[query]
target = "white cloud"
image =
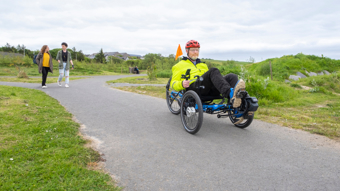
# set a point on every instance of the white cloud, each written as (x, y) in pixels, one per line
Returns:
(225, 29)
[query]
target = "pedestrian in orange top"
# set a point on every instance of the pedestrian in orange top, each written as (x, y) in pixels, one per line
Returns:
(44, 61)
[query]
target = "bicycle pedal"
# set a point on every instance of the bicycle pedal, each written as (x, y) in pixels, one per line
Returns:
(241, 93)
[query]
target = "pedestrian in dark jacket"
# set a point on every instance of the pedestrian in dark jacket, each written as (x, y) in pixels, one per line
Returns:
(65, 60)
(44, 60)
(137, 70)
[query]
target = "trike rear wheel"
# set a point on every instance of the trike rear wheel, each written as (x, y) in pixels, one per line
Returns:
(172, 100)
(235, 118)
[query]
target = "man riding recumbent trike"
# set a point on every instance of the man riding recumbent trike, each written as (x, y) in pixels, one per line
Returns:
(193, 87)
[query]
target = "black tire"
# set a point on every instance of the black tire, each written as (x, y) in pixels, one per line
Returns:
(173, 104)
(193, 123)
(246, 122)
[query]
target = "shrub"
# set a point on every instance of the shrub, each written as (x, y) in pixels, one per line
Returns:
(22, 74)
(318, 89)
(273, 92)
(211, 64)
(320, 82)
(304, 73)
(313, 83)
(264, 69)
(295, 85)
(152, 72)
(28, 62)
(164, 74)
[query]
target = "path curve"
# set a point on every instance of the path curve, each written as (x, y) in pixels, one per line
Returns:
(146, 147)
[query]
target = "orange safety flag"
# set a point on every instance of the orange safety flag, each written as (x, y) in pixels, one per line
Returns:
(179, 52)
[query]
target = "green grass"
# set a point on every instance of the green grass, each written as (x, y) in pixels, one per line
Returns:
(328, 82)
(34, 80)
(80, 69)
(140, 80)
(295, 85)
(290, 64)
(40, 146)
(154, 91)
(221, 62)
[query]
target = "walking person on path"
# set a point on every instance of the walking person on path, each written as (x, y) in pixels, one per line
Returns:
(64, 59)
(44, 61)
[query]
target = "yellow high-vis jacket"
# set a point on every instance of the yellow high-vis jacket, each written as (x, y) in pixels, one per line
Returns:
(181, 68)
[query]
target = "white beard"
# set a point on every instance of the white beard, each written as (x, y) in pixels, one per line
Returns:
(194, 57)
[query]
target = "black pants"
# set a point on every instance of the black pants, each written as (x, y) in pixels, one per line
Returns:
(45, 71)
(215, 84)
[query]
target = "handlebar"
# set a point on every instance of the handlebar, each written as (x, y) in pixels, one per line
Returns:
(187, 75)
(198, 79)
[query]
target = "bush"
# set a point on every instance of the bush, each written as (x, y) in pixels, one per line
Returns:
(230, 66)
(264, 69)
(271, 91)
(304, 73)
(22, 74)
(152, 72)
(164, 74)
(295, 85)
(320, 82)
(211, 65)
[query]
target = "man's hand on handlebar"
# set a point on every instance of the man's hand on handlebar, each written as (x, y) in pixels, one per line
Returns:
(186, 83)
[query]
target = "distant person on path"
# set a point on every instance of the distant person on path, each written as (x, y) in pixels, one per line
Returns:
(44, 61)
(215, 84)
(137, 70)
(64, 59)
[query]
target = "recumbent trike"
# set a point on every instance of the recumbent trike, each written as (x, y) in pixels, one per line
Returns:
(192, 105)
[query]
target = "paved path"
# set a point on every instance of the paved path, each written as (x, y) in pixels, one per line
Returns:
(146, 147)
(127, 84)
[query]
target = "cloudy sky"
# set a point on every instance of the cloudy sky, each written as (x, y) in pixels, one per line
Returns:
(226, 29)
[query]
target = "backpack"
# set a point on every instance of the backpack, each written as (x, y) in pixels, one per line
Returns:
(34, 59)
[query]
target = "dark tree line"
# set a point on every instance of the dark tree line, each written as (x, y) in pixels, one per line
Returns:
(21, 49)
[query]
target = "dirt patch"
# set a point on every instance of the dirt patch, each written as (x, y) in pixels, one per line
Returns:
(306, 87)
(93, 143)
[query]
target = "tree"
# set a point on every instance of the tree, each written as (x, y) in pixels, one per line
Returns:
(150, 58)
(8, 48)
(251, 59)
(19, 49)
(115, 60)
(80, 55)
(100, 57)
(75, 51)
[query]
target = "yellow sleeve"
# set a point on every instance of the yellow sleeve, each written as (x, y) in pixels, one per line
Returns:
(176, 80)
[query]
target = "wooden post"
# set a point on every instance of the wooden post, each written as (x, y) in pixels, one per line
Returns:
(271, 72)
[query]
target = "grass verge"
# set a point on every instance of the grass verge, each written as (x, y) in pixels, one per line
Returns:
(155, 91)
(140, 80)
(34, 80)
(40, 146)
(33, 71)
